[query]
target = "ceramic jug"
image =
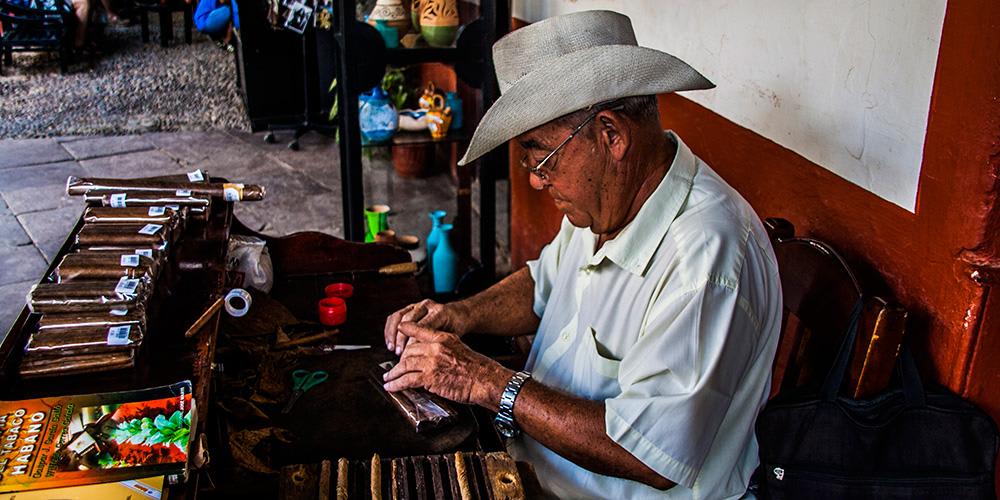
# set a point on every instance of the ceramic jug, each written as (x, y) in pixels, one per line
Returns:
(438, 122)
(428, 100)
(393, 13)
(454, 102)
(437, 218)
(377, 117)
(439, 22)
(445, 267)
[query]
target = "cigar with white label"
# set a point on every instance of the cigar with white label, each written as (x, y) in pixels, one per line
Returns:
(168, 217)
(76, 186)
(84, 340)
(104, 266)
(87, 296)
(113, 317)
(150, 235)
(40, 365)
(146, 200)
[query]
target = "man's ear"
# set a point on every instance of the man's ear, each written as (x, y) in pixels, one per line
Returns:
(614, 133)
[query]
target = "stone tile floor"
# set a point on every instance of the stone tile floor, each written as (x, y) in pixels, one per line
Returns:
(303, 191)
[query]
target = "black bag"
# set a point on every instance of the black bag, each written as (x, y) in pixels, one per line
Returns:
(904, 443)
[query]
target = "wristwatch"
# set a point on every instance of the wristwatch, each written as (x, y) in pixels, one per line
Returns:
(504, 420)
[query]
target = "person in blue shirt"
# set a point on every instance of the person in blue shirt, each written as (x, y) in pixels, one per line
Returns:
(215, 17)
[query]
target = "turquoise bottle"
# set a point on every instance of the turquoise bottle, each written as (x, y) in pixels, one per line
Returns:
(437, 218)
(445, 267)
(454, 102)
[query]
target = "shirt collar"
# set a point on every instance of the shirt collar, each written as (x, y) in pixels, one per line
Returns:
(635, 245)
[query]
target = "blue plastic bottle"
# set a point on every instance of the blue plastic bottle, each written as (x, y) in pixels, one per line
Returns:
(445, 262)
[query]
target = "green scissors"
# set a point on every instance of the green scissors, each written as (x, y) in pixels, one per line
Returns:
(302, 381)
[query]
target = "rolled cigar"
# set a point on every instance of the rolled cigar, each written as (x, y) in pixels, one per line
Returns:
(158, 256)
(135, 215)
(105, 320)
(376, 477)
(76, 186)
(85, 296)
(147, 200)
(85, 340)
(35, 365)
(153, 236)
(104, 266)
(463, 477)
(342, 486)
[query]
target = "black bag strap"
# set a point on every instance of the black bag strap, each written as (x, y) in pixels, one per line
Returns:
(906, 367)
(831, 385)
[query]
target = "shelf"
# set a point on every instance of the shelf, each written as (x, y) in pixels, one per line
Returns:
(408, 138)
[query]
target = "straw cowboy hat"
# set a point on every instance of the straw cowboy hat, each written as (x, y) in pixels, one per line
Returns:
(566, 63)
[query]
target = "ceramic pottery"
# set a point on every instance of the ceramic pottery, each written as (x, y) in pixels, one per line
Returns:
(415, 14)
(377, 217)
(437, 218)
(439, 22)
(393, 13)
(438, 122)
(389, 34)
(377, 117)
(445, 263)
(454, 102)
(430, 99)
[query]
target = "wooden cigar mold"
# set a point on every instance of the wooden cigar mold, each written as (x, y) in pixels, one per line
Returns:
(458, 476)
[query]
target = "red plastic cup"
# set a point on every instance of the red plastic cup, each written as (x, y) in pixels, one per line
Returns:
(339, 290)
(332, 311)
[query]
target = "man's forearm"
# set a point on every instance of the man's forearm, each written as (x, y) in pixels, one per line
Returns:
(570, 426)
(506, 308)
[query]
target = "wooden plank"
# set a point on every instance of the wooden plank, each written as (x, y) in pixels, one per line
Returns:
(503, 477)
(299, 481)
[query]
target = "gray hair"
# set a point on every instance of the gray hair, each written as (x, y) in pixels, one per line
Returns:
(641, 109)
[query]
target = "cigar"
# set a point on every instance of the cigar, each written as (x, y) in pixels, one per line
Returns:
(135, 215)
(135, 317)
(376, 477)
(34, 365)
(342, 486)
(151, 235)
(76, 186)
(104, 266)
(84, 296)
(147, 200)
(84, 340)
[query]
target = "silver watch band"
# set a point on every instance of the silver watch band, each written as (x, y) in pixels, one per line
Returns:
(504, 420)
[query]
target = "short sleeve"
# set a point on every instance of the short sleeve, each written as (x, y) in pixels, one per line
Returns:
(545, 268)
(678, 380)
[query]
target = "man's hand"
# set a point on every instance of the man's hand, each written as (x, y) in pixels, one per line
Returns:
(441, 363)
(426, 313)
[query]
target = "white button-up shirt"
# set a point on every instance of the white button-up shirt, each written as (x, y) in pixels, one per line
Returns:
(673, 324)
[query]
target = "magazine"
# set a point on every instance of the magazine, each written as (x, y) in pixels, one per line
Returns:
(96, 438)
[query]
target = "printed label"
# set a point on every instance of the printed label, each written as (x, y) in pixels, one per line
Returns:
(232, 192)
(154, 211)
(118, 335)
(118, 200)
(127, 286)
(130, 260)
(150, 229)
(196, 176)
(145, 252)
(183, 192)
(119, 312)
(174, 207)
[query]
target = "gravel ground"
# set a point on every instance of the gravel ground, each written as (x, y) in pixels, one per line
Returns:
(133, 87)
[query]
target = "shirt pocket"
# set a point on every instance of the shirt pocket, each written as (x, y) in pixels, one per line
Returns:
(603, 365)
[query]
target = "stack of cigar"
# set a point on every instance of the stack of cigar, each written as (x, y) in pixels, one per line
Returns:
(458, 476)
(94, 304)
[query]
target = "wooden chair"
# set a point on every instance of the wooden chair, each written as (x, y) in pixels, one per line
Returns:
(820, 291)
(165, 10)
(24, 29)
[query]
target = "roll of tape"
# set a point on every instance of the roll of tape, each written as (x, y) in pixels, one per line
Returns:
(238, 302)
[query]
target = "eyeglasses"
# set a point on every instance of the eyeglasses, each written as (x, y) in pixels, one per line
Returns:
(540, 169)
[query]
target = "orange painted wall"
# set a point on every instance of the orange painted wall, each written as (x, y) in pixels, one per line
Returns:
(924, 259)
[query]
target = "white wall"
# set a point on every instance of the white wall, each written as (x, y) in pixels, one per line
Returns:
(844, 83)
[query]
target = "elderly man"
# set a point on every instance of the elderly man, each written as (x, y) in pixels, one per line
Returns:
(656, 307)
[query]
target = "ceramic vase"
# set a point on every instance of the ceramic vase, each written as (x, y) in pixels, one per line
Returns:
(415, 14)
(389, 34)
(377, 117)
(454, 102)
(439, 22)
(437, 218)
(393, 13)
(377, 217)
(445, 262)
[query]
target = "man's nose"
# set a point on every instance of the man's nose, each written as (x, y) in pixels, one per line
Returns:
(536, 182)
